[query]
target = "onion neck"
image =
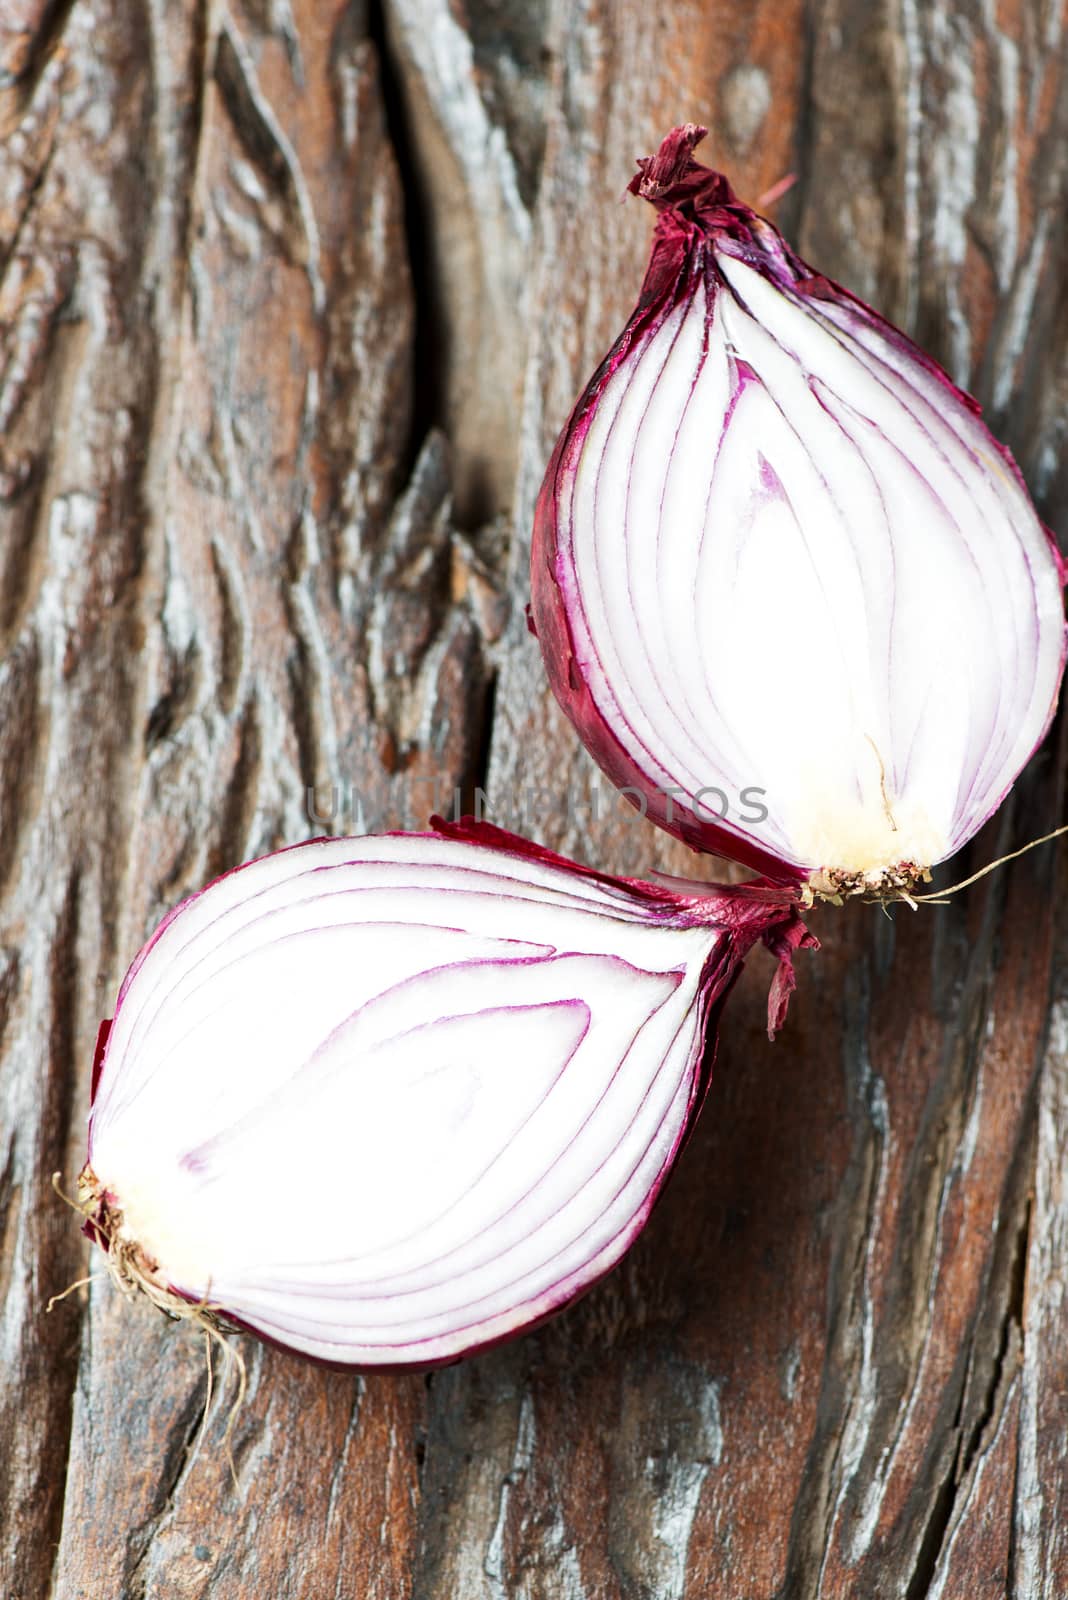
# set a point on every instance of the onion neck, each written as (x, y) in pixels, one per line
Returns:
(673, 180)
(697, 204)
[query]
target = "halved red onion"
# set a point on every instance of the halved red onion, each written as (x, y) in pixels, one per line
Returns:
(386, 1100)
(780, 562)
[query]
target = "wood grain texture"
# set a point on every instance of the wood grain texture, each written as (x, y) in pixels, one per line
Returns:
(294, 297)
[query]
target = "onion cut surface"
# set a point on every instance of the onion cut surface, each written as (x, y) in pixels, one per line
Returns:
(386, 1100)
(777, 553)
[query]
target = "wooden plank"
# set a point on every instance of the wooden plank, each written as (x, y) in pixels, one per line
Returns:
(294, 298)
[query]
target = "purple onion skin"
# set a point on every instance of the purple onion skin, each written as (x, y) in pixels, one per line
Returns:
(750, 914)
(695, 205)
(764, 910)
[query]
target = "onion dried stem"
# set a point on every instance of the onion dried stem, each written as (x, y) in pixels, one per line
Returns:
(941, 898)
(135, 1276)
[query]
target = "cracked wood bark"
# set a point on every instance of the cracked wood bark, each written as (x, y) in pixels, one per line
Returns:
(295, 296)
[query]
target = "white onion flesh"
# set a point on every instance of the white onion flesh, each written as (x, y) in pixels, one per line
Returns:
(789, 556)
(384, 1100)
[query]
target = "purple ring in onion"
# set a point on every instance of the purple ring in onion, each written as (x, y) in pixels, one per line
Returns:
(385, 1101)
(778, 550)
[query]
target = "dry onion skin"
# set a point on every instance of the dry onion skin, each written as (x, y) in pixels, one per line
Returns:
(777, 551)
(385, 1101)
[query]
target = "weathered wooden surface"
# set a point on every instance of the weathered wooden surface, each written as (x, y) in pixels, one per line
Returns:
(295, 295)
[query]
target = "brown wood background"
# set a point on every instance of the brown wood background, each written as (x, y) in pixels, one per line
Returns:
(295, 295)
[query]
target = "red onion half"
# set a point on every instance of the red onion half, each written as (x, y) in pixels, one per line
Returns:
(386, 1100)
(781, 564)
